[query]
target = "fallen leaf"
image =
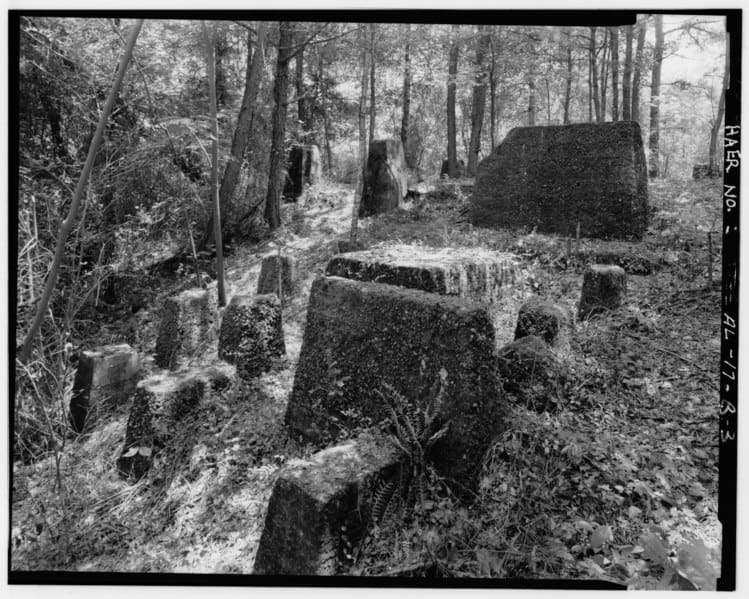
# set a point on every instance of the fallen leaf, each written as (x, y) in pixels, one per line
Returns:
(601, 535)
(653, 549)
(634, 512)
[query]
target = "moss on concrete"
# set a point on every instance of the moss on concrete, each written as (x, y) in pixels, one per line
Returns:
(319, 505)
(554, 177)
(251, 334)
(185, 325)
(361, 337)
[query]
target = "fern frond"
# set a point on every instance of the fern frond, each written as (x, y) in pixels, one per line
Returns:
(403, 448)
(382, 497)
(400, 432)
(435, 406)
(436, 437)
(416, 418)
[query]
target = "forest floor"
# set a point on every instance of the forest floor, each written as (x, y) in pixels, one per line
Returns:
(619, 483)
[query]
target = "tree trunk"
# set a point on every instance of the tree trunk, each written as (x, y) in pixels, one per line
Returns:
(655, 100)
(568, 83)
(372, 103)
(531, 102)
(303, 103)
(493, 93)
(642, 30)
(590, 91)
(277, 153)
(222, 51)
(244, 124)
(452, 154)
(479, 103)
(614, 39)
(713, 153)
(627, 78)
(324, 110)
(604, 74)
(67, 224)
(407, 98)
(362, 163)
(210, 45)
(594, 75)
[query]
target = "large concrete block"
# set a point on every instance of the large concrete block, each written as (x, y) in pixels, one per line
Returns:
(386, 180)
(278, 274)
(104, 375)
(251, 334)
(159, 403)
(319, 508)
(461, 168)
(468, 273)
(361, 337)
(531, 373)
(186, 321)
(604, 288)
(304, 168)
(542, 318)
(554, 177)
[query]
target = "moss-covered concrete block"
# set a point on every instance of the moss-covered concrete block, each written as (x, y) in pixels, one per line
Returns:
(159, 403)
(251, 334)
(604, 288)
(554, 177)
(531, 373)
(304, 168)
(104, 375)
(319, 508)
(541, 318)
(474, 274)
(362, 337)
(386, 177)
(186, 321)
(344, 246)
(278, 275)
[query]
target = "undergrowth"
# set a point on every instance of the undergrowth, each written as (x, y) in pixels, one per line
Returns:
(620, 484)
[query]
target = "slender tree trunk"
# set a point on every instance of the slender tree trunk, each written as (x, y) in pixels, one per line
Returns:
(531, 102)
(568, 82)
(614, 38)
(222, 51)
(277, 155)
(324, 109)
(713, 153)
(478, 103)
(655, 100)
(452, 154)
(244, 124)
(407, 98)
(493, 93)
(604, 74)
(590, 91)
(627, 77)
(67, 224)
(637, 74)
(363, 147)
(304, 107)
(372, 90)
(210, 45)
(594, 75)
